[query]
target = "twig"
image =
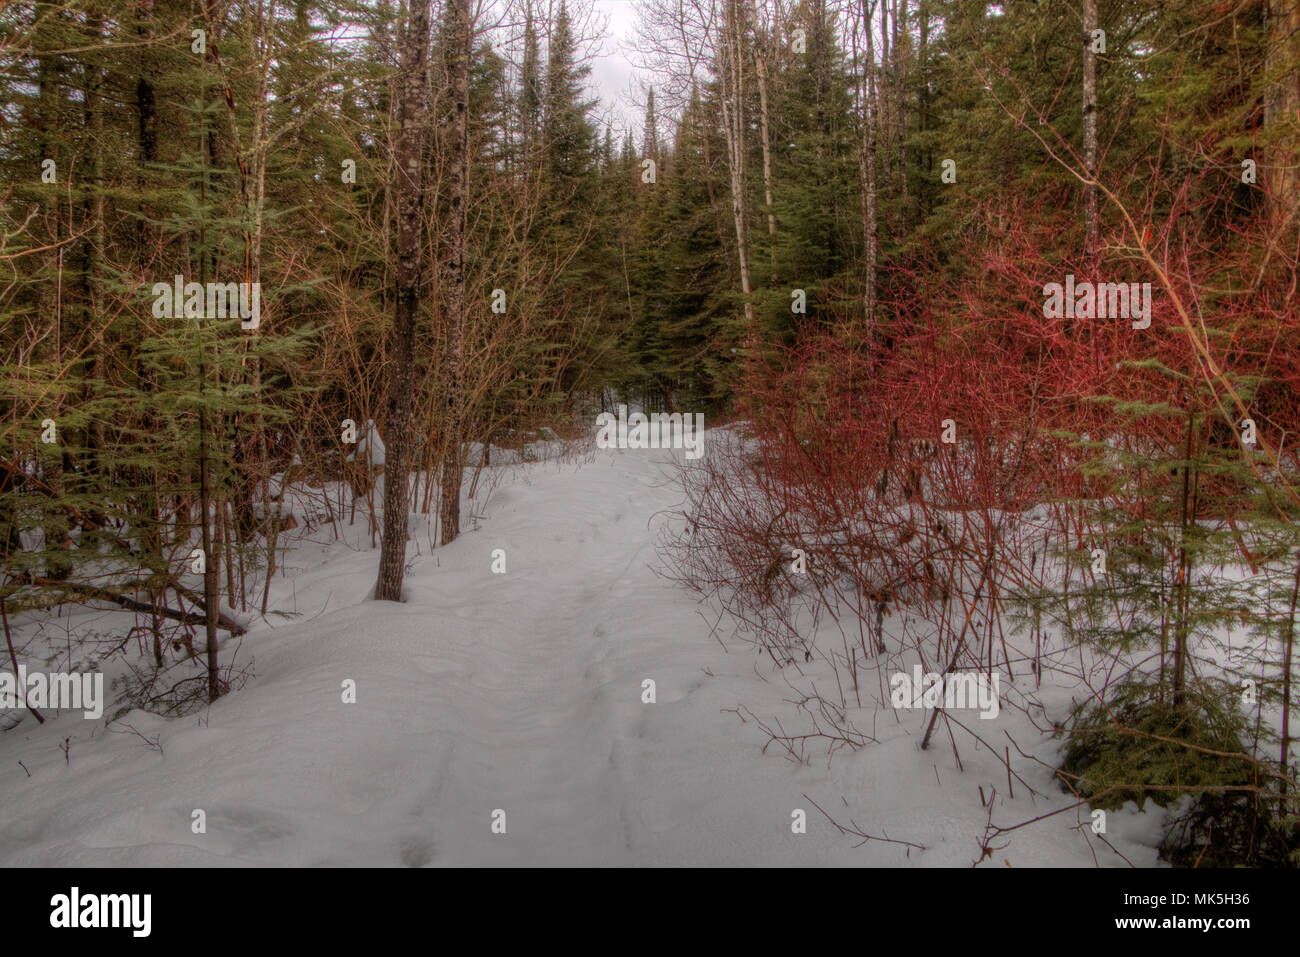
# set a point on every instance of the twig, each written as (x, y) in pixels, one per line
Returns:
(858, 832)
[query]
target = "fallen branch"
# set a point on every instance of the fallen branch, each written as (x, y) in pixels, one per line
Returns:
(856, 831)
(132, 604)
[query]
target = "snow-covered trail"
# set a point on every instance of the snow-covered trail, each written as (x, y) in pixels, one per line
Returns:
(541, 673)
(545, 665)
(520, 692)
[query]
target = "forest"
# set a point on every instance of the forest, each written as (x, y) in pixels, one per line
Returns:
(990, 309)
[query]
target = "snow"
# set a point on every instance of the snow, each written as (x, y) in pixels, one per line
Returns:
(521, 692)
(368, 441)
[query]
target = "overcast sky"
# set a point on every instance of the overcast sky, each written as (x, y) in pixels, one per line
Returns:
(612, 75)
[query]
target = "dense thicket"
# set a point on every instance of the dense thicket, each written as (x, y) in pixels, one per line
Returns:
(258, 144)
(933, 429)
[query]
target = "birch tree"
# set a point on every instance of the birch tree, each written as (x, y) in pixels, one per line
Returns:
(1090, 122)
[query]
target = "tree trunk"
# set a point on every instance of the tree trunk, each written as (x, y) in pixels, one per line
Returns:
(1182, 592)
(820, 70)
(264, 21)
(886, 104)
(211, 592)
(211, 583)
(453, 464)
(144, 94)
(1282, 105)
(732, 76)
(760, 66)
(899, 29)
(1090, 124)
(1288, 646)
(410, 262)
(867, 168)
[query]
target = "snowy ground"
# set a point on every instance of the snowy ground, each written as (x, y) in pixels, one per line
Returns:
(520, 692)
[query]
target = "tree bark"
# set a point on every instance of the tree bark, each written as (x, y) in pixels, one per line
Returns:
(732, 76)
(1288, 646)
(867, 168)
(1090, 125)
(211, 592)
(1282, 105)
(760, 67)
(900, 113)
(885, 101)
(453, 466)
(410, 264)
(820, 71)
(211, 589)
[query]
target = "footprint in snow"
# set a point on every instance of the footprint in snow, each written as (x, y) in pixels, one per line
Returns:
(417, 852)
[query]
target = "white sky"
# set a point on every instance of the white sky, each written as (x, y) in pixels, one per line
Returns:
(612, 75)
